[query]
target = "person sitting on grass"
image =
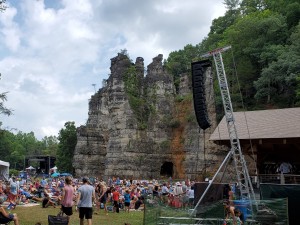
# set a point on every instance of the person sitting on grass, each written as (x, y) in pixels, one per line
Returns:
(139, 203)
(6, 217)
(47, 201)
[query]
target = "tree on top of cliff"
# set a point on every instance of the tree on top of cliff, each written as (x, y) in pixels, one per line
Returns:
(263, 56)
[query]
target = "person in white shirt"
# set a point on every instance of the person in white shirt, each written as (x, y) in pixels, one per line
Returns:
(164, 192)
(191, 195)
(178, 189)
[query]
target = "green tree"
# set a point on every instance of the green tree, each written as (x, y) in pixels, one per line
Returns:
(50, 145)
(67, 142)
(279, 80)
(3, 109)
(15, 147)
(179, 62)
(3, 98)
(250, 6)
(30, 143)
(254, 38)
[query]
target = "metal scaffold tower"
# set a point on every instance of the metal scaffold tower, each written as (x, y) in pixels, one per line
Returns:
(243, 178)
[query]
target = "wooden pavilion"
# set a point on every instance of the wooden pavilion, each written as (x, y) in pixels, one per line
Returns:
(267, 138)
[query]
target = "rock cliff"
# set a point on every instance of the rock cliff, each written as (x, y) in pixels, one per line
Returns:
(139, 127)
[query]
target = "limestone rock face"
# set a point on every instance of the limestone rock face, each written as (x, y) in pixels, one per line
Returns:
(148, 135)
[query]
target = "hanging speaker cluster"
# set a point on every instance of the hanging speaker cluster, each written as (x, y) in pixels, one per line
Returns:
(198, 81)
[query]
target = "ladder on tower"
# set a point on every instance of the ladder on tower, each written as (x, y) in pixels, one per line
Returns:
(243, 178)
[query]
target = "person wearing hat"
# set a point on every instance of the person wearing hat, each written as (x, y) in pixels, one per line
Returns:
(165, 192)
(85, 199)
(6, 217)
(178, 195)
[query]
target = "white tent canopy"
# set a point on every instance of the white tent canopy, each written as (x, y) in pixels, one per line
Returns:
(4, 170)
(30, 168)
(53, 169)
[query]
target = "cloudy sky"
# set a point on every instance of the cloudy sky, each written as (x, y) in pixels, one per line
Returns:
(54, 54)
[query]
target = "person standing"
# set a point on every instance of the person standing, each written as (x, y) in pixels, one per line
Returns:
(127, 200)
(116, 196)
(86, 197)
(67, 198)
(191, 195)
(103, 197)
(165, 193)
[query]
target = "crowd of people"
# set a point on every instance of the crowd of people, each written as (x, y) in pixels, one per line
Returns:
(90, 195)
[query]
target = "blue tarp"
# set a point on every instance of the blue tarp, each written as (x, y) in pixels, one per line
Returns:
(55, 174)
(65, 174)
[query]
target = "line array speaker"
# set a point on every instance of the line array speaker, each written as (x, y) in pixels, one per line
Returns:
(198, 81)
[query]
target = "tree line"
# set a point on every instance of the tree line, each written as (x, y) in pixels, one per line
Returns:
(262, 66)
(14, 148)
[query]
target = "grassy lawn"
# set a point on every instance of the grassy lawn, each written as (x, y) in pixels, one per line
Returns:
(33, 214)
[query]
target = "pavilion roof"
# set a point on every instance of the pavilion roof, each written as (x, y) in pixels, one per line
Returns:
(262, 124)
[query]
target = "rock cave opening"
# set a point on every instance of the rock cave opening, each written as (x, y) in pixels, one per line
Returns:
(166, 169)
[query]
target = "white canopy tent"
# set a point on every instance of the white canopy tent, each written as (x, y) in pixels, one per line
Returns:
(53, 169)
(30, 168)
(4, 170)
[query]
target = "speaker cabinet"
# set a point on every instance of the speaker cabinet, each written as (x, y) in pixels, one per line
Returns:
(198, 81)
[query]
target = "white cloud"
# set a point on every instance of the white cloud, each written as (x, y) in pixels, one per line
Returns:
(10, 33)
(54, 50)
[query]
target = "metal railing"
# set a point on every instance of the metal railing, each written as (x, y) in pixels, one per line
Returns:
(279, 178)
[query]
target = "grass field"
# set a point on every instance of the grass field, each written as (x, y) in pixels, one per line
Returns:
(33, 214)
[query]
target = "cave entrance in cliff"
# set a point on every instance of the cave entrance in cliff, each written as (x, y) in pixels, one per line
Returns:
(166, 169)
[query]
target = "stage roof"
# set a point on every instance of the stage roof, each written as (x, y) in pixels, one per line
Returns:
(262, 124)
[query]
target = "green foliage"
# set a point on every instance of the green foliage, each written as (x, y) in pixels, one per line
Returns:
(250, 6)
(174, 123)
(165, 144)
(138, 97)
(179, 98)
(50, 145)
(142, 126)
(3, 109)
(182, 98)
(15, 147)
(298, 91)
(13, 172)
(67, 142)
(263, 63)
(3, 96)
(278, 81)
(191, 117)
(179, 62)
